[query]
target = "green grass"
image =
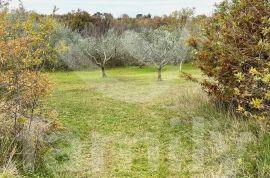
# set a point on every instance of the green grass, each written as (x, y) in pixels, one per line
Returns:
(130, 125)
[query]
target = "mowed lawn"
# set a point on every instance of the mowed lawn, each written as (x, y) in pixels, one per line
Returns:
(130, 125)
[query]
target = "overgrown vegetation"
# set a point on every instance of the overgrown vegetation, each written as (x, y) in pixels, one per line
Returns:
(126, 124)
(25, 45)
(236, 57)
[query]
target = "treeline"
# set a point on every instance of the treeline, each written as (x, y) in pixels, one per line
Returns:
(100, 23)
(76, 26)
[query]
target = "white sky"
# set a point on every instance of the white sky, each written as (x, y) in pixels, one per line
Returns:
(119, 7)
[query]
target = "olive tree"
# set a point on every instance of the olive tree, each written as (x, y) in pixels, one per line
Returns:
(157, 47)
(100, 49)
(71, 56)
(133, 45)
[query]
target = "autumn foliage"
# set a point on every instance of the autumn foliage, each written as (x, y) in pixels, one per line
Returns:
(236, 57)
(25, 45)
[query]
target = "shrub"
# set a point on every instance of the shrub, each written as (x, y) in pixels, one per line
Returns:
(25, 40)
(236, 57)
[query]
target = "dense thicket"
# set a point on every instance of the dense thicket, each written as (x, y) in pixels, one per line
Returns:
(236, 56)
(25, 44)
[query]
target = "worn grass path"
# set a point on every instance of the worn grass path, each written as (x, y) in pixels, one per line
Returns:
(130, 125)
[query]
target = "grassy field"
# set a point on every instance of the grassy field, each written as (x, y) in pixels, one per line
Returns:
(130, 125)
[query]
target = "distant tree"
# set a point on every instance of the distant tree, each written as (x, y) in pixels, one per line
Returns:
(4, 3)
(183, 14)
(103, 23)
(148, 16)
(157, 21)
(125, 16)
(139, 16)
(100, 49)
(180, 18)
(76, 20)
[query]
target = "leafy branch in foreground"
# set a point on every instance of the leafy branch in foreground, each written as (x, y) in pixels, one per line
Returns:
(236, 57)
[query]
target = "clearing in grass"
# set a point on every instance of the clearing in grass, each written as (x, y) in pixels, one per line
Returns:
(130, 125)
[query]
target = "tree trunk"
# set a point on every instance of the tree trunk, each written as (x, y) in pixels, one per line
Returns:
(103, 72)
(181, 66)
(159, 74)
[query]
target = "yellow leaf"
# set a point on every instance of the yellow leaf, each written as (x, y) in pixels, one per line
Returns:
(257, 103)
(240, 109)
(267, 95)
(254, 71)
(22, 120)
(239, 76)
(236, 91)
(266, 79)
